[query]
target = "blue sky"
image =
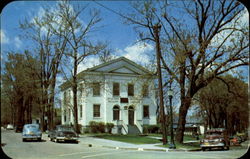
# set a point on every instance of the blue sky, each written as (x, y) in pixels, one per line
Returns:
(113, 30)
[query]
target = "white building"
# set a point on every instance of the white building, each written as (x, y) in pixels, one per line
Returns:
(119, 91)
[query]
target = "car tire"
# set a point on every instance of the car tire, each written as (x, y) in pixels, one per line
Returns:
(203, 149)
(39, 139)
(24, 140)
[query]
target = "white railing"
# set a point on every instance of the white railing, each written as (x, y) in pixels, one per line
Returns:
(125, 127)
(139, 125)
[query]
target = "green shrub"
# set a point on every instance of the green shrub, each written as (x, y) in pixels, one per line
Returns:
(93, 126)
(153, 128)
(97, 127)
(109, 127)
(101, 127)
(145, 129)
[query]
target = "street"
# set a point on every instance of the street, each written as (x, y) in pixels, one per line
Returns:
(15, 148)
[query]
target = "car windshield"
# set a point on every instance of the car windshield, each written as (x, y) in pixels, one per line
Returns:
(32, 126)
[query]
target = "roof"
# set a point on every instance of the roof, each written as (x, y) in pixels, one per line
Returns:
(117, 66)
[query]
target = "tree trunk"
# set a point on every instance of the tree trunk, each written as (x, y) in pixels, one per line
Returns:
(74, 88)
(185, 104)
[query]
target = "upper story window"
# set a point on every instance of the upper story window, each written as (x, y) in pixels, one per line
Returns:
(96, 89)
(65, 98)
(80, 88)
(80, 111)
(96, 110)
(145, 90)
(145, 111)
(130, 89)
(116, 89)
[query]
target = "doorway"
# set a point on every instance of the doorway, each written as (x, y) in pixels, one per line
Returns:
(131, 115)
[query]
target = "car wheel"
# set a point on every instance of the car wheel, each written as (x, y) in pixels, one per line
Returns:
(203, 148)
(24, 140)
(39, 139)
(56, 141)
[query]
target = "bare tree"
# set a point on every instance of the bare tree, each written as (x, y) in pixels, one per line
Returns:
(212, 39)
(79, 44)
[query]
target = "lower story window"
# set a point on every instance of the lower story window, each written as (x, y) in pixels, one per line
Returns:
(96, 110)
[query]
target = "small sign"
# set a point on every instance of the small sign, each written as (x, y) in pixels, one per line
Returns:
(124, 100)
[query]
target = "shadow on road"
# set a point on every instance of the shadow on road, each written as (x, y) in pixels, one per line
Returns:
(35, 140)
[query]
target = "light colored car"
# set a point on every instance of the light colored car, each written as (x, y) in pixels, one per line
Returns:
(215, 138)
(10, 127)
(31, 132)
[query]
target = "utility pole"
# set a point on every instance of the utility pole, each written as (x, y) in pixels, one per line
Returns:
(156, 29)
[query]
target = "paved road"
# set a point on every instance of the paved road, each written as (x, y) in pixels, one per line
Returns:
(46, 149)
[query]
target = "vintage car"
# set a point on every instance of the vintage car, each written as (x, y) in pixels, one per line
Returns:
(63, 133)
(215, 138)
(31, 132)
(9, 127)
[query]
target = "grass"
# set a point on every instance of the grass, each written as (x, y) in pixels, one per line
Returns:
(134, 139)
(186, 137)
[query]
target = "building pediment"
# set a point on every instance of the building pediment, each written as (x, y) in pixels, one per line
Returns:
(121, 65)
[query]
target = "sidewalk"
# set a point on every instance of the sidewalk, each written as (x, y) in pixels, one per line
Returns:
(96, 142)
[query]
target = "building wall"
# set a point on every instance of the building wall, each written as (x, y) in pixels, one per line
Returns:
(107, 100)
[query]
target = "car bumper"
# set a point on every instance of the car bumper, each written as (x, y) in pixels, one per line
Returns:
(31, 136)
(67, 138)
(212, 145)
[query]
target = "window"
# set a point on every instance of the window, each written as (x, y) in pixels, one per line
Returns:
(145, 111)
(130, 90)
(116, 89)
(96, 89)
(145, 90)
(116, 113)
(80, 88)
(96, 111)
(65, 98)
(80, 111)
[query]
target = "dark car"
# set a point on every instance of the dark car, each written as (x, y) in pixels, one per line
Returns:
(18, 128)
(63, 133)
(215, 138)
(31, 132)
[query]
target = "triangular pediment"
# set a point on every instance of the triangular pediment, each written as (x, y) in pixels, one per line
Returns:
(123, 70)
(120, 65)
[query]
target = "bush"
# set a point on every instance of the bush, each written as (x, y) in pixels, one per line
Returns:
(101, 127)
(97, 127)
(86, 130)
(153, 128)
(145, 129)
(109, 127)
(93, 126)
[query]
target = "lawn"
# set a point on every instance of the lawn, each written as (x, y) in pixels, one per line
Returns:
(134, 139)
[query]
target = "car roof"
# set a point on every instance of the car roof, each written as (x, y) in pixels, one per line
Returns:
(216, 130)
(31, 125)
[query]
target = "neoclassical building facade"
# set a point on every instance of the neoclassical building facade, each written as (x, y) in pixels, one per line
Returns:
(119, 91)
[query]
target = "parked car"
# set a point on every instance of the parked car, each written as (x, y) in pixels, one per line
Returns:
(31, 132)
(235, 140)
(18, 128)
(215, 138)
(9, 127)
(63, 133)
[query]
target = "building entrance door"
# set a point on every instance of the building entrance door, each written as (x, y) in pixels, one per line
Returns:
(131, 115)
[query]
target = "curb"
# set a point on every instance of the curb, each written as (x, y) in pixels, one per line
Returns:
(148, 149)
